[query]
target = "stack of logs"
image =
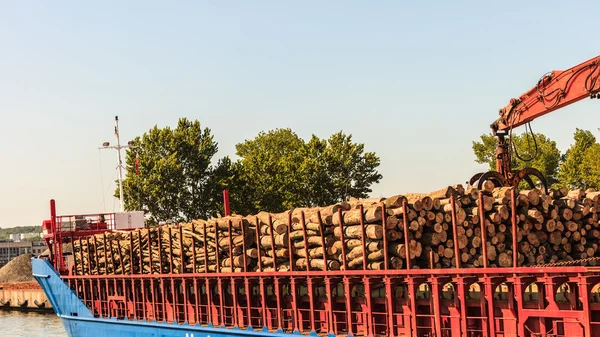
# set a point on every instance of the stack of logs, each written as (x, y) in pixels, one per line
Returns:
(560, 226)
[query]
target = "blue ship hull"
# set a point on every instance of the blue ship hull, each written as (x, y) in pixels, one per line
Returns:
(80, 322)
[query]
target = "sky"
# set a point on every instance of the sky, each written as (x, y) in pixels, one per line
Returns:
(416, 82)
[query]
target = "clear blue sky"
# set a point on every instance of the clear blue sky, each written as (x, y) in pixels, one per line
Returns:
(415, 81)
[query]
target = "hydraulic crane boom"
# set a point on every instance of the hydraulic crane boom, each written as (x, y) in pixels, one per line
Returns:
(553, 91)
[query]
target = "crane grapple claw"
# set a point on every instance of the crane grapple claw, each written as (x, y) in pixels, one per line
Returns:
(513, 179)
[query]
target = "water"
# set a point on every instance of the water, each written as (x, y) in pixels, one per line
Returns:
(23, 324)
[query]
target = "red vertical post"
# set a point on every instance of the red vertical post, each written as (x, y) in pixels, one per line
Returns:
(229, 233)
(141, 266)
(163, 303)
(248, 302)
(183, 257)
(321, 231)
(348, 295)
(455, 231)
(386, 257)
(277, 287)
(219, 279)
(75, 254)
(106, 255)
(362, 236)
(54, 253)
(290, 247)
(259, 262)
(462, 296)
(311, 302)
(369, 322)
(196, 299)
(489, 298)
(174, 296)
(131, 253)
(83, 290)
(584, 291)
(483, 231)
(87, 240)
(343, 239)
(81, 255)
(389, 305)
(263, 300)
(406, 240)
(120, 257)
(208, 300)
(96, 256)
(329, 303)
(513, 218)
(160, 259)
(273, 249)
(152, 298)
(205, 254)
(303, 223)
(91, 287)
(295, 315)
(412, 295)
(231, 278)
(207, 279)
(149, 251)
(226, 202)
(244, 255)
(194, 270)
(221, 309)
(186, 303)
(144, 307)
(217, 255)
(171, 247)
(435, 303)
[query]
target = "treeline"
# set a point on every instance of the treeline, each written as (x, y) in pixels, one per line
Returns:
(577, 168)
(6, 232)
(172, 173)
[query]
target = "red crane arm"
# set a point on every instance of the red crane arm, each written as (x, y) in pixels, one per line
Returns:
(552, 92)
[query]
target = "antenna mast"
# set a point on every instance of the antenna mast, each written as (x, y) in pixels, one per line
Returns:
(118, 147)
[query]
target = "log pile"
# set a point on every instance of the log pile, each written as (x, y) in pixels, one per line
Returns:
(417, 229)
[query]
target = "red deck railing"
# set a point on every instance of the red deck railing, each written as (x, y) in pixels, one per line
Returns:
(460, 302)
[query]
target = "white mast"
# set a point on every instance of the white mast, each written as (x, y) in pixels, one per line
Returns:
(118, 147)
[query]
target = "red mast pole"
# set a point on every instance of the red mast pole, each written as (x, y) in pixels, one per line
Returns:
(226, 202)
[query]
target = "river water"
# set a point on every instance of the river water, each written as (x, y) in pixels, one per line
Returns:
(23, 324)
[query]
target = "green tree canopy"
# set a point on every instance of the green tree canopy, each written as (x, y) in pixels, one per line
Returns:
(546, 161)
(590, 168)
(176, 179)
(575, 170)
(279, 170)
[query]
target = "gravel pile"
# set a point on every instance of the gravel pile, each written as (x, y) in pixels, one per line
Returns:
(17, 270)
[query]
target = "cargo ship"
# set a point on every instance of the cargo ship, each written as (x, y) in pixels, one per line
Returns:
(491, 262)
(560, 299)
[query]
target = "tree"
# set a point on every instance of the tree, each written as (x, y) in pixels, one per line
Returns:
(350, 171)
(590, 167)
(270, 171)
(279, 170)
(574, 170)
(176, 180)
(542, 151)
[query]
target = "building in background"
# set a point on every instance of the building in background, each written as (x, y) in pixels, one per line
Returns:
(10, 250)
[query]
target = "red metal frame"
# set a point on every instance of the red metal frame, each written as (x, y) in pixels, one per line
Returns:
(458, 302)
